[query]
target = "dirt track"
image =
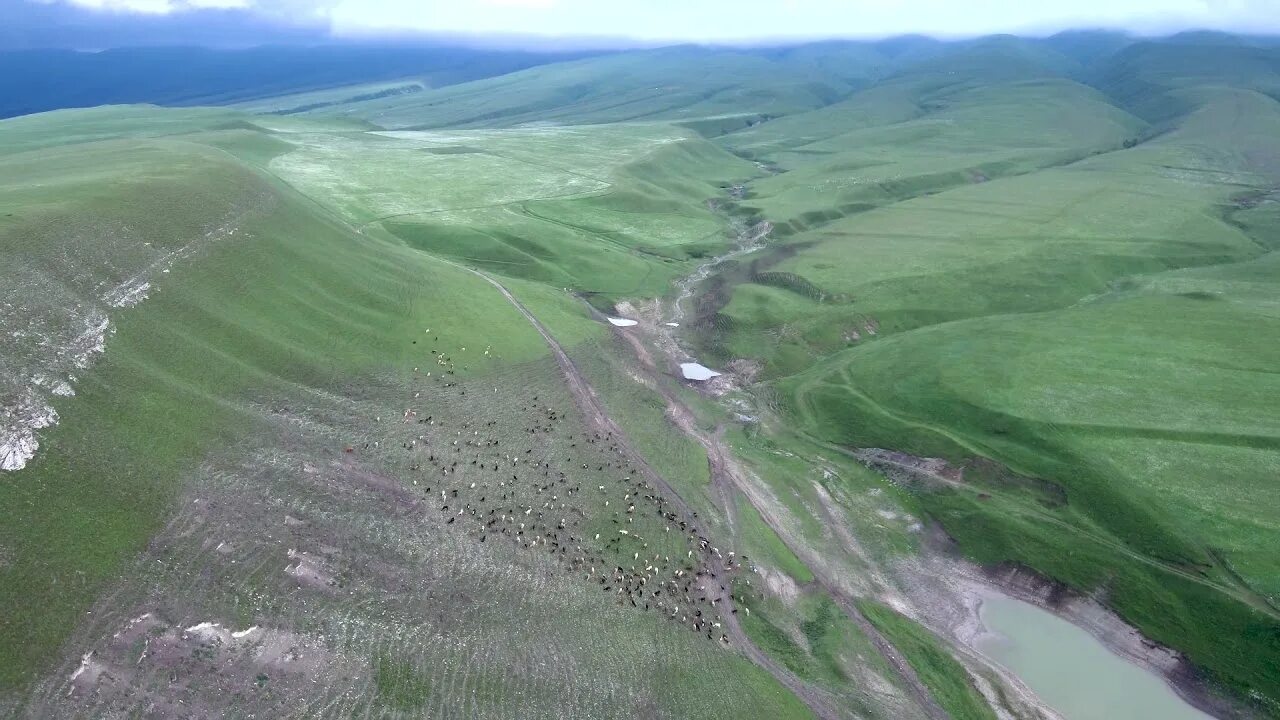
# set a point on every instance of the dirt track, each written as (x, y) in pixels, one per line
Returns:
(597, 417)
(727, 478)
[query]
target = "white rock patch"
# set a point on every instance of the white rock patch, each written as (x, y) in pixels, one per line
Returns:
(622, 322)
(214, 632)
(70, 343)
(92, 341)
(27, 410)
(18, 425)
(128, 294)
(86, 662)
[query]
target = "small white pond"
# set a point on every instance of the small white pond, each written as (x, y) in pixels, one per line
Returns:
(695, 371)
(622, 322)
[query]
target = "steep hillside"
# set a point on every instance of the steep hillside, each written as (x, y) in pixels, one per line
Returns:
(1145, 77)
(250, 419)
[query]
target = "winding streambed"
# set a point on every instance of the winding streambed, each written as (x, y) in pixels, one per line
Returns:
(749, 238)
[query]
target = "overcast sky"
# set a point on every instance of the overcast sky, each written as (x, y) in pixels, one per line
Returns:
(734, 20)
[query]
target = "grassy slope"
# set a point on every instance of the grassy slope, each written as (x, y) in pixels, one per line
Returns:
(861, 181)
(910, 136)
(1047, 321)
(329, 97)
(69, 127)
(173, 384)
(945, 678)
(1141, 76)
(285, 308)
(614, 211)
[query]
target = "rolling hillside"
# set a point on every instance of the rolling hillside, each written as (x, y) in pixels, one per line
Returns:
(287, 352)
(364, 396)
(1073, 322)
(666, 84)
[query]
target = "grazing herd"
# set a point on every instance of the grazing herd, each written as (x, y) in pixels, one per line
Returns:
(573, 495)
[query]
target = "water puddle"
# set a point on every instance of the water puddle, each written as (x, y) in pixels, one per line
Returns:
(1071, 670)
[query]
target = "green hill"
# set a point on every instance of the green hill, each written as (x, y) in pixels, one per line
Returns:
(312, 405)
(1076, 323)
(667, 84)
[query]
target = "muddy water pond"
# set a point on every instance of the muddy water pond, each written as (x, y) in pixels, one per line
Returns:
(1071, 670)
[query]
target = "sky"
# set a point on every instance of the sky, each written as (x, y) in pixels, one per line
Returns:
(722, 20)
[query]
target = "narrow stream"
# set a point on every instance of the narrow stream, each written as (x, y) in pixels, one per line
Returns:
(748, 238)
(1072, 671)
(747, 242)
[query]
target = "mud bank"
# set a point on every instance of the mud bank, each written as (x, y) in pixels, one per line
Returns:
(949, 591)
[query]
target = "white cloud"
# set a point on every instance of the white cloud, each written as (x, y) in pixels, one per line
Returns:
(537, 4)
(160, 7)
(148, 7)
(746, 19)
(217, 4)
